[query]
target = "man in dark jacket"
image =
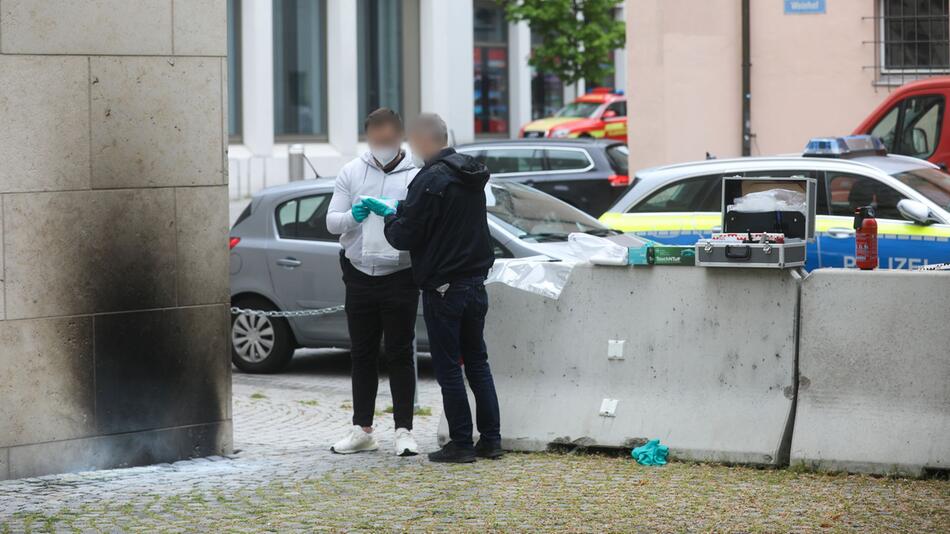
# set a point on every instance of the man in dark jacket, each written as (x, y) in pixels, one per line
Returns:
(444, 226)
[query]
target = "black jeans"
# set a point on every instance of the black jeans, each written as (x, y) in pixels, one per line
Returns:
(381, 308)
(455, 321)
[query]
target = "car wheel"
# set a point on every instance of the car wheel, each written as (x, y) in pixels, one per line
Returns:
(260, 344)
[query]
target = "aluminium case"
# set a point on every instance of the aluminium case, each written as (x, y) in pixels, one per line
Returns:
(797, 227)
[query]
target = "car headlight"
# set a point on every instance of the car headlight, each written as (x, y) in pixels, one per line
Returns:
(560, 133)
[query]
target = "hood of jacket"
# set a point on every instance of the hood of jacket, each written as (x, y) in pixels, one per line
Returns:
(469, 172)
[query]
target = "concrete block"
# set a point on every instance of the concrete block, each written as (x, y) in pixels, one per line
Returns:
(46, 380)
(874, 363)
(88, 251)
(201, 27)
(44, 110)
(162, 368)
(202, 222)
(156, 122)
(708, 364)
(120, 450)
(108, 27)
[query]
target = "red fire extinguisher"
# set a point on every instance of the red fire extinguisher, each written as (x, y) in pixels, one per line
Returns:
(865, 238)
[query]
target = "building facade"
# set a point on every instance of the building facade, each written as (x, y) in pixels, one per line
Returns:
(816, 68)
(308, 71)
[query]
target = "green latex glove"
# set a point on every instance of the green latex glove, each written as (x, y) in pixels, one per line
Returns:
(651, 454)
(379, 207)
(360, 212)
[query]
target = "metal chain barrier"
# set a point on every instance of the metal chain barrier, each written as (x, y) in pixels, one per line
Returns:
(296, 313)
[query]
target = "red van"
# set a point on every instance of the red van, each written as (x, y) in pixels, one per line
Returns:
(912, 121)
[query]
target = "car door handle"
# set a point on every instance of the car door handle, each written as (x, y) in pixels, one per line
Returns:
(841, 233)
(289, 262)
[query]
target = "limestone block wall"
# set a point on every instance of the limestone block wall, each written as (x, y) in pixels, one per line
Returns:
(113, 216)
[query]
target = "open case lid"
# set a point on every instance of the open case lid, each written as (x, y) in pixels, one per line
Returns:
(765, 204)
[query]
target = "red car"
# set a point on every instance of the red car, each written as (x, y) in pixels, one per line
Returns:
(913, 121)
(601, 113)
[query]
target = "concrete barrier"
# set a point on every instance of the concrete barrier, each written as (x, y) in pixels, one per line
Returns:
(874, 365)
(706, 361)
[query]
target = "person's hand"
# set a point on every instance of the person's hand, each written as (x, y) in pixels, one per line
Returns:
(360, 212)
(378, 207)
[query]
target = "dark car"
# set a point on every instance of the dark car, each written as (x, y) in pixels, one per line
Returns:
(589, 174)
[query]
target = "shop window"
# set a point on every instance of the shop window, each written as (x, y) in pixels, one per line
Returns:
(379, 56)
(491, 69)
(300, 66)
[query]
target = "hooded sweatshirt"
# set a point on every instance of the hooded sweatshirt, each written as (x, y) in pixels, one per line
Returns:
(362, 177)
(443, 222)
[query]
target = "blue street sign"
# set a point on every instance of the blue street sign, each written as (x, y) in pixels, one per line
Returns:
(804, 7)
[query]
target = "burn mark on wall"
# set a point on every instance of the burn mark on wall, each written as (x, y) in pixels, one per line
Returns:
(161, 368)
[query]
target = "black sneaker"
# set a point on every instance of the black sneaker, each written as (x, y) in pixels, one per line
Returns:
(492, 451)
(452, 454)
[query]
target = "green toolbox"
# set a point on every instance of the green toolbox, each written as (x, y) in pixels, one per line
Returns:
(657, 254)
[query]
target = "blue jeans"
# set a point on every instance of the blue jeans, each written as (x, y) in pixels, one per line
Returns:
(455, 321)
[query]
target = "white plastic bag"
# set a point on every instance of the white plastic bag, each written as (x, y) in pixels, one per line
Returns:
(597, 250)
(536, 274)
(770, 200)
(376, 249)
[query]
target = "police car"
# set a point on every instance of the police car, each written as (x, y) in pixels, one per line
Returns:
(677, 204)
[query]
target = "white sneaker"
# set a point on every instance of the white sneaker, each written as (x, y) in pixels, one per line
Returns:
(358, 440)
(405, 443)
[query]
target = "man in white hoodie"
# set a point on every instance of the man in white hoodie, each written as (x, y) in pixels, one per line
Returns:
(381, 297)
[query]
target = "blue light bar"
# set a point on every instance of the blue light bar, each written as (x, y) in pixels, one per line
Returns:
(845, 147)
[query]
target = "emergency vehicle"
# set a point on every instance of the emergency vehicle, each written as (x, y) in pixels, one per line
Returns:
(602, 113)
(678, 204)
(912, 121)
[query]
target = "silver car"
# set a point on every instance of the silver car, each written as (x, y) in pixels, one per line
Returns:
(283, 258)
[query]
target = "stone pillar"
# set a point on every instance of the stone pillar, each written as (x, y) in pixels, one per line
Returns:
(447, 71)
(519, 76)
(113, 208)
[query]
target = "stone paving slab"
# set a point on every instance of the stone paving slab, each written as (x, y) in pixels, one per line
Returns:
(283, 479)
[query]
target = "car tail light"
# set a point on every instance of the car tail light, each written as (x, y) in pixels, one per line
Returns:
(619, 180)
(233, 242)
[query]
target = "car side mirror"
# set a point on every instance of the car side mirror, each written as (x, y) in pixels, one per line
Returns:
(610, 114)
(919, 141)
(913, 210)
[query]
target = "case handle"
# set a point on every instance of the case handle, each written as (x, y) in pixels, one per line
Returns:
(744, 255)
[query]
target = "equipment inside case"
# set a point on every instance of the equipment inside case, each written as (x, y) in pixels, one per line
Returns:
(766, 222)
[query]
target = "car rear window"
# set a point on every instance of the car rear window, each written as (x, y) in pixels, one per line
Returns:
(618, 156)
(567, 160)
(510, 160)
(244, 215)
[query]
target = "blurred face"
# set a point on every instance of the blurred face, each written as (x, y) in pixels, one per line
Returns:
(384, 141)
(423, 146)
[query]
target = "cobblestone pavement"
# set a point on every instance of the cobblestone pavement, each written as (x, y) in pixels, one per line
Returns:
(283, 478)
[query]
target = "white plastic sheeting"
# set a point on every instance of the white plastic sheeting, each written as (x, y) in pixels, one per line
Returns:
(535, 274)
(597, 250)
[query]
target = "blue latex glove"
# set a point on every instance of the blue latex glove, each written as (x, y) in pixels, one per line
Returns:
(379, 207)
(651, 454)
(360, 212)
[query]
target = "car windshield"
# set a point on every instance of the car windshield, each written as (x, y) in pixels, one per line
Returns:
(931, 183)
(578, 110)
(535, 216)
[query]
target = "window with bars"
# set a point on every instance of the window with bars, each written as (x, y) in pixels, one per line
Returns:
(915, 36)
